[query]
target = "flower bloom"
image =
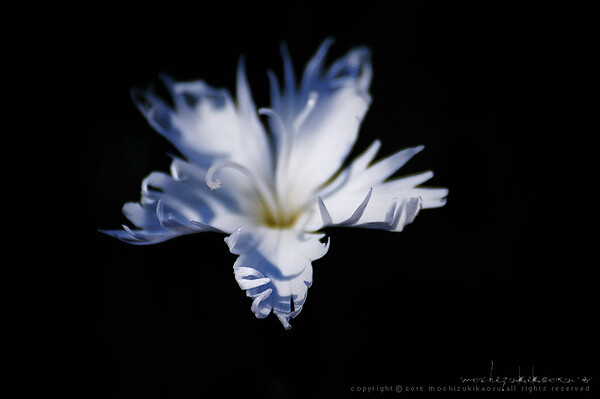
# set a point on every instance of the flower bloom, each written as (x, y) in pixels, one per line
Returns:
(273, 188)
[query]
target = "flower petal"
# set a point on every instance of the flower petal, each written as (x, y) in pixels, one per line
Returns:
(205, 125)
(320, 120)
(314, 68)
(274, 267)
(181, 203)
(375, 211)
(359, 176)
(360, 196)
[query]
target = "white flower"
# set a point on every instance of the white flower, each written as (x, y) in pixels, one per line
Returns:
(272, 192)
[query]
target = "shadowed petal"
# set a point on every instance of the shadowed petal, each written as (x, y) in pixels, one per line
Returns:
(179, 204)
(274, 267)
(206, 125)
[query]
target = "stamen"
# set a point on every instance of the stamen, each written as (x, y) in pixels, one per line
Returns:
(275, 116)
(310, 104)
(260, 187)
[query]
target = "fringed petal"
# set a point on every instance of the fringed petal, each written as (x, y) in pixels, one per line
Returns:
(180, 204)
(274, 268)
(388, 205)
(373, 212)
(235, 176)
(205, 124)
(319, 119)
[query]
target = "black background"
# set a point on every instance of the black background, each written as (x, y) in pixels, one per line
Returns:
(498, 274)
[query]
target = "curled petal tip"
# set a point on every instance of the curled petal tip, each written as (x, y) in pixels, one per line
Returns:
(246, 284)
(284, 320)
(217, 184)
(233, 238)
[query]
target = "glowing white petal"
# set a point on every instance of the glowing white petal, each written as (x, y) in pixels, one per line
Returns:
(390, 205)
(330, 106)
(277, 260)
(206, 125)
(268, 191)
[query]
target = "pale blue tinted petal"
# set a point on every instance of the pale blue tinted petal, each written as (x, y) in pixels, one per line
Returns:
(314, 69)
(274, 268)
(141, 237)
(316, 124)
(179, 204)
(289, 83)
(205, 124)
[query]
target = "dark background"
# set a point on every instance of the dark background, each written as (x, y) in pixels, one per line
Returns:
(498, 274)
